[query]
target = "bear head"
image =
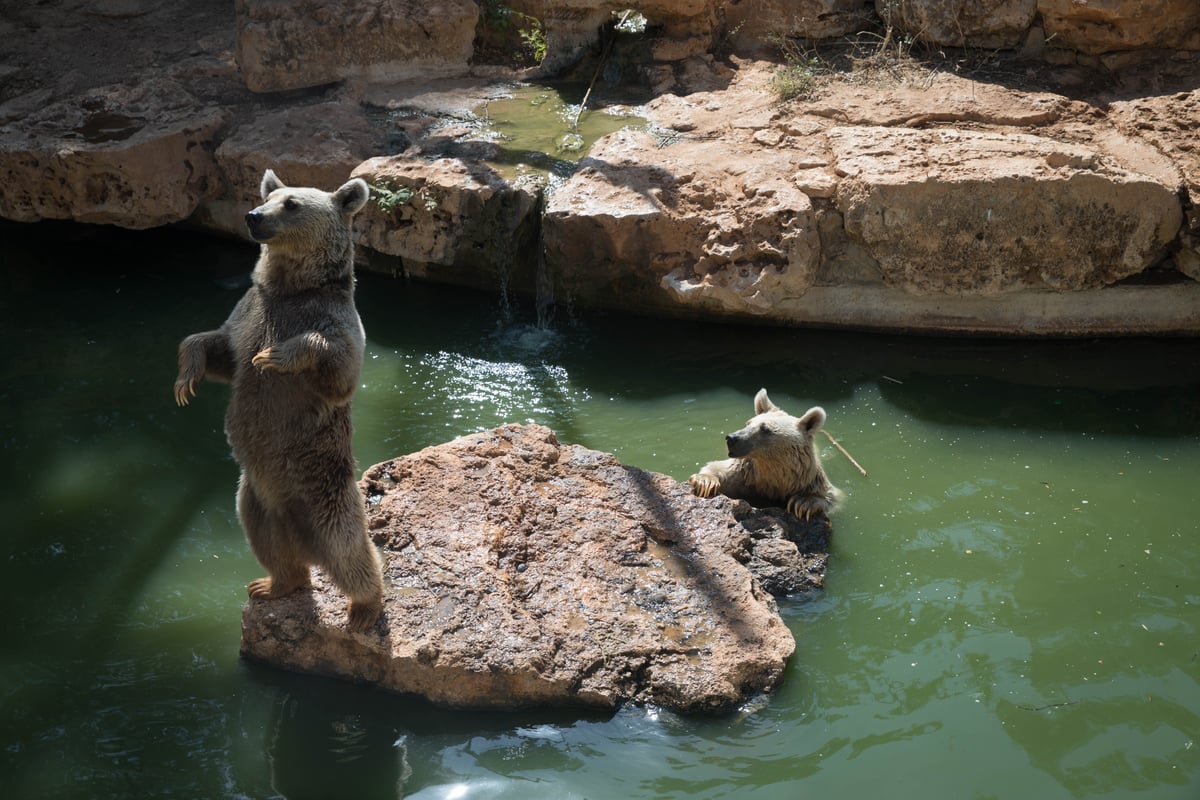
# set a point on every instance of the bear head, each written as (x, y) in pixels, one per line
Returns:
(773, 433)
(303, 221)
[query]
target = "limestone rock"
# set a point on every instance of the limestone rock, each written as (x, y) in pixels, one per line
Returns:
(304, 43)
(1168, 122)
(940, 99)
(310, 145)
(116, 155)
(753, 23)
(521, 571)
(461, 222)
(961, 23)
(695, 222)
(962, 212)
(1114, 25)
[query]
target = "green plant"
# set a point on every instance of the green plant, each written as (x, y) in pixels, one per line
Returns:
(534, 39)
(389, 199)
(793, 82)
(796, 79)
(631, 22)
(496, 16)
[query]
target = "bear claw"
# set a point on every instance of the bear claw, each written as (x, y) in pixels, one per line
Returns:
(267, 589)
(184, 391)
(703, 486)
(802, 509)
(267, 358)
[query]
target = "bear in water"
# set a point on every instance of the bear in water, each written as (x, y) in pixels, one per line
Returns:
(773, 462)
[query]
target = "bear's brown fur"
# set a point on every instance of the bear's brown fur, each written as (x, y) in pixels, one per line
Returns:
(293, 350)
(773, 462)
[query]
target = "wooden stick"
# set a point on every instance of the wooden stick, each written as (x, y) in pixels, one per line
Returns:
(838, 445)
(599, 66)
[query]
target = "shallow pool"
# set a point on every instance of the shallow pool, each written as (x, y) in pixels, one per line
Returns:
(1012, 604)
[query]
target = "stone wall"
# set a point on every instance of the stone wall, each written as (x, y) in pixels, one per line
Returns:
(300, 43)
(1057, 29)
(1055, 194)
(313, 42)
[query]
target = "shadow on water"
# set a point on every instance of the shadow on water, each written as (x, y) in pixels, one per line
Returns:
(99, 483)
(93, 377)
(1087, 385)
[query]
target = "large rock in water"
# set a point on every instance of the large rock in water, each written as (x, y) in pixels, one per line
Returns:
(520, 571)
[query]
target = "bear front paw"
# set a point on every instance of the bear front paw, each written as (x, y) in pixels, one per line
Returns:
(704, 485)
(807, 507)
(185, 390)
(268, 358)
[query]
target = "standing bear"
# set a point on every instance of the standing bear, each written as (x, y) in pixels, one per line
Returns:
(293, 350)
(773, 462)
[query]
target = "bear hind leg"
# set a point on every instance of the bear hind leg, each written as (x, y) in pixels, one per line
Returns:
(270, 587)
(269, 540)
(359, 573)
(350, 558)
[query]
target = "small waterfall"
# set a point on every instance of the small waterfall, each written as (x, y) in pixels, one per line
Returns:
(543, 280)
(514, 337)
(505, 257)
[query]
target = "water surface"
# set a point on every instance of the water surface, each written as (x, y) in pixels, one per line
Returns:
(540, 131)
(1012, 600)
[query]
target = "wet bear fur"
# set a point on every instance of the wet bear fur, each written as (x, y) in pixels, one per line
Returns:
(773, 462)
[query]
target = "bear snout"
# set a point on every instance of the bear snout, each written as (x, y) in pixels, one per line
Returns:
(738, 446)
(255, 223)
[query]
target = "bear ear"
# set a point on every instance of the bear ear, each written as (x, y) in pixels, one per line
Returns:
(763, 404)
(812, 420)
(352, 196)
(270, 183)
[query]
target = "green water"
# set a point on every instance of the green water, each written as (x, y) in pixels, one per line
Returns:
(1012, 602)
(542, 131)
(544, 128)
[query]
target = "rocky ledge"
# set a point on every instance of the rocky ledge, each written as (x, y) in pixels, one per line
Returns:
(1017, 167)
(520, 571)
